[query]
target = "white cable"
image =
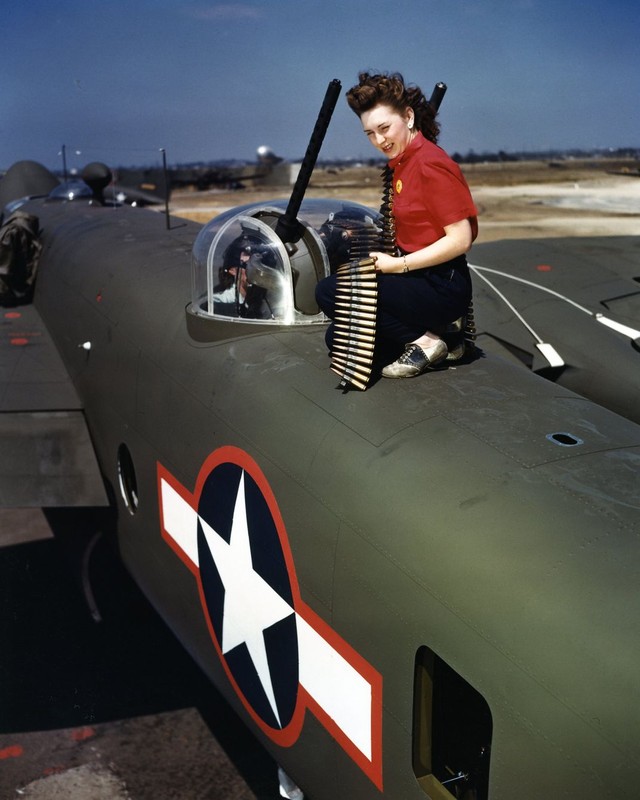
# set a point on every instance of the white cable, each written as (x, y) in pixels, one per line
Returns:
(632, 333)
(548, 350)
(507, 302)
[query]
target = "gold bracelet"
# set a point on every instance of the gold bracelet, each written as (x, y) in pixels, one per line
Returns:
(406, 266)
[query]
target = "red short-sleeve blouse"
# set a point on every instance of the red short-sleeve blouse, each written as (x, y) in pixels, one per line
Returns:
(429, 192)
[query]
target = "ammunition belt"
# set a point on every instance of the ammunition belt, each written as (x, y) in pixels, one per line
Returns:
(354, 326)
(357, 302)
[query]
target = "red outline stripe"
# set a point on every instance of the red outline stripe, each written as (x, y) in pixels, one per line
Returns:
(288, 735)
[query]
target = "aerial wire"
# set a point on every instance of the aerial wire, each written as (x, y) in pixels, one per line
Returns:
(632, 333)
(548, 350)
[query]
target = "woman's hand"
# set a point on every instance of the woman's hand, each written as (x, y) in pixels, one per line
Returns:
(457, 240)
(387, 263)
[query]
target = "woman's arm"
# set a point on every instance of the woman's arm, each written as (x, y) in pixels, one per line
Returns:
(457, 240)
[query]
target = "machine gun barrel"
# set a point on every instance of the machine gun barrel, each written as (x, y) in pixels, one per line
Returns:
(437, 94)
(288, 227)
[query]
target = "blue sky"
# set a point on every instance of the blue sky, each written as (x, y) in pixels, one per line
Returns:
(119, 79)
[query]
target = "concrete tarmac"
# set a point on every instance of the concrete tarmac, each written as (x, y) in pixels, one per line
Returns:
(107, 709)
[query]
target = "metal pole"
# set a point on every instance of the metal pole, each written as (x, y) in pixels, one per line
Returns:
(166, 187)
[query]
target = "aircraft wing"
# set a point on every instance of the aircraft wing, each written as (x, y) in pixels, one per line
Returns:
(46, 458)
(575, 298)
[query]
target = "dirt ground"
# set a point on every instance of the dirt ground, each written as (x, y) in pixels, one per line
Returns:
(520, 200)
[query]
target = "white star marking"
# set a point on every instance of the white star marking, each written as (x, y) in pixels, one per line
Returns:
(348, 692)
(251, 605)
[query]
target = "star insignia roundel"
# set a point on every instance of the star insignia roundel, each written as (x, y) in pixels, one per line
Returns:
(247, 592)
(280, 657)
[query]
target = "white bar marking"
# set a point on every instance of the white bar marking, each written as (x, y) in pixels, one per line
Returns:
(180, 521)
(338, 688)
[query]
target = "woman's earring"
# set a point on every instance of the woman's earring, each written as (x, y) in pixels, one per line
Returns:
(410, 124)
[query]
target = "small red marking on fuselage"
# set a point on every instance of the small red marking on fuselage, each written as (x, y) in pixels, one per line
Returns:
(12, 315)
(55, 770)
(19, 341)
(83, 733)
(13, 751)
(544, 268)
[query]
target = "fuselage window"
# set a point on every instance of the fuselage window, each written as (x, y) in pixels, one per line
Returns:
(452, 728)
(127, 479)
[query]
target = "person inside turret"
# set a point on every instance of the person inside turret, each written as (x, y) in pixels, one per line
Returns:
(234, 295)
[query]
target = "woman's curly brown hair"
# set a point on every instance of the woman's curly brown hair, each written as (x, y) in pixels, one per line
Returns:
(389, 89)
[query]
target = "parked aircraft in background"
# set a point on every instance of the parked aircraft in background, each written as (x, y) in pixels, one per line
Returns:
(145, 186)
(428, 589)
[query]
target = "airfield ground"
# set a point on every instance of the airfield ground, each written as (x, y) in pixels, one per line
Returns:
(55, 748)
(515, 200)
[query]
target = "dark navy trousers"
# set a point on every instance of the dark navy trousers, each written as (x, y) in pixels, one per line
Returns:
(411, 303)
